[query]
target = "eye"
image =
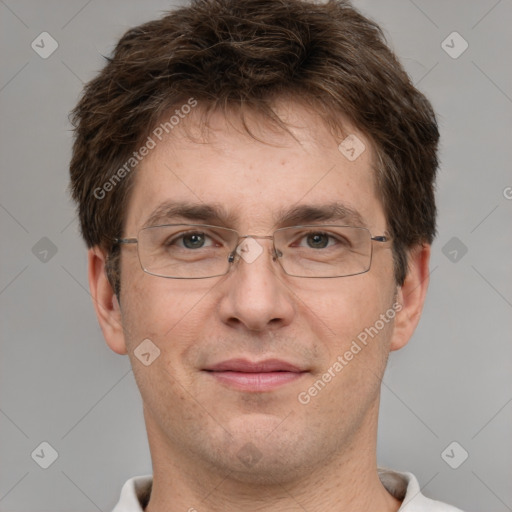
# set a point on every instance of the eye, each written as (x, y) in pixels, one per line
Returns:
(194, 240)
(191, 240)
(318, 240)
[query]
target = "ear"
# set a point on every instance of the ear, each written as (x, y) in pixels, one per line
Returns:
(105, 301)
(411, 295)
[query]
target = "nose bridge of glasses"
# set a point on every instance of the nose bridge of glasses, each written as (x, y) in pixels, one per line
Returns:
(268, 237)
(249, 251)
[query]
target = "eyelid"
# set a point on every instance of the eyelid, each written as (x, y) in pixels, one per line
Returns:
(214, 237)
(300, 236)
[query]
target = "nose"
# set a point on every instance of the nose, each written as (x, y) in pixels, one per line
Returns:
(255, 296)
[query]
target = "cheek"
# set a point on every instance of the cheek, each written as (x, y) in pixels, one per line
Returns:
(343, 308)
(171, 313)
(139, 305)
(345, 317)
(349, 328)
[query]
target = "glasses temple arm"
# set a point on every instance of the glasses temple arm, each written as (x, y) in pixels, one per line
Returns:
(125, 240)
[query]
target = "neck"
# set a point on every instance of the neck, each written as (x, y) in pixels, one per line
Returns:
(347, 482)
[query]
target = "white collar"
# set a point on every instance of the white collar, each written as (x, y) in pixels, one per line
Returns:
(403, 486)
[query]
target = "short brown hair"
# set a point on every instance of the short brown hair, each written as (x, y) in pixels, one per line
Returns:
(244, 54)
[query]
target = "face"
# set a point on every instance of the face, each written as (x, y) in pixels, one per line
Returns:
(258, 373)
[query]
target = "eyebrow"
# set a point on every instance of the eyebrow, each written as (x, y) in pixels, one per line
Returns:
(195, 212)
(216, 214)
(330, 212)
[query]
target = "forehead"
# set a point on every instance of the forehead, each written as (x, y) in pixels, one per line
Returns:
(257, 180)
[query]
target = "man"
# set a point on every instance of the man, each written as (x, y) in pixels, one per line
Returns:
(255, 184)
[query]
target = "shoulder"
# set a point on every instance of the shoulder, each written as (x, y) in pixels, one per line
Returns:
(134, 494)
(405, 487)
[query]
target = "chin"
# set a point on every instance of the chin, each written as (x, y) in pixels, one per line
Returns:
(263, 454)
(268, 468)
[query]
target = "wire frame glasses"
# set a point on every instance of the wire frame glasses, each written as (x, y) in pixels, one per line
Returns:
(198, 251)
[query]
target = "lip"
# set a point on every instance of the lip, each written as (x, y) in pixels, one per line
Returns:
(246, 366)
(258, 376)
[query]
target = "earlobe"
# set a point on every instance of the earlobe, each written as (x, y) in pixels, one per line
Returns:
(105, 302)
(411, 296)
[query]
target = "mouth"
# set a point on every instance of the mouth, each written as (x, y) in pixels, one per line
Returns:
(249, 376)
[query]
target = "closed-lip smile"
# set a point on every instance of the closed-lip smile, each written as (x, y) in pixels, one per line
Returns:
(255, 376)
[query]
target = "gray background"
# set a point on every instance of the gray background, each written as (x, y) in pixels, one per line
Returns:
(59, 382)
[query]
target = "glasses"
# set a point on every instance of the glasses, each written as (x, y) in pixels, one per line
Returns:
(198, 251)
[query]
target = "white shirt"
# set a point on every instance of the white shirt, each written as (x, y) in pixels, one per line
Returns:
(403, 486)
